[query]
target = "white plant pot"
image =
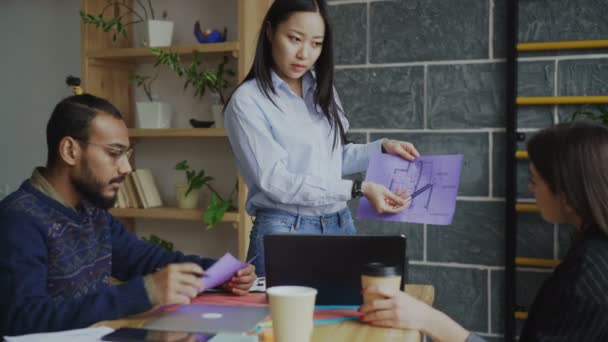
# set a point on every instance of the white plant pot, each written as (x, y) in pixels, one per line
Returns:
(154, 33)
(153, 114)
(218, 115)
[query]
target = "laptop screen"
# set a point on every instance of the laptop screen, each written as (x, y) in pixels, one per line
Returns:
(330, 263)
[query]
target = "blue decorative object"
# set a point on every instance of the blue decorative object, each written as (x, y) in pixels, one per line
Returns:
(209, 36)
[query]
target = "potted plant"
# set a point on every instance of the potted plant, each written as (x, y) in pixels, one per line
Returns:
(151, 113)
(596, 112)
(215, 80)
(155, 32)
(162, 243)
(187, 197)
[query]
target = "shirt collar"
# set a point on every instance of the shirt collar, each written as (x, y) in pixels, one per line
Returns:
(39, 182)
(277, 81)
(308, 82)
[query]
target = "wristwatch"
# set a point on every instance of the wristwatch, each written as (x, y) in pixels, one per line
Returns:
(356, 190)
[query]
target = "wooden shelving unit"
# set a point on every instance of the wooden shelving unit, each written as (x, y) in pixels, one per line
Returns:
(563, 45)
(178, 133)
(559, 100)
(537, 262)
(521, 154)
(527, 208)
(513, 207)
(105, 69)
(169, 213)
(182, 50)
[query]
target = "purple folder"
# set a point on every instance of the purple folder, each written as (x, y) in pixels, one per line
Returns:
(434, 205)
(221, 271)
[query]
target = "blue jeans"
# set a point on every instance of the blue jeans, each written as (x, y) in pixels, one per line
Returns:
(271, 221)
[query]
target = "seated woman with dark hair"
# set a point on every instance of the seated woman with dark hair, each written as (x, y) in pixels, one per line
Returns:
(569, 179)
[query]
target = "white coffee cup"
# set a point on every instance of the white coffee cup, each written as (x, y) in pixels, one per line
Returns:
(292, 309)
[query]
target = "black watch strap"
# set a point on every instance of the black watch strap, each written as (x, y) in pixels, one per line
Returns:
(356, 190)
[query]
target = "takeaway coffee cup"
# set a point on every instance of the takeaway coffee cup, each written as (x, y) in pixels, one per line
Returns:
(292, 309)
(376, 273)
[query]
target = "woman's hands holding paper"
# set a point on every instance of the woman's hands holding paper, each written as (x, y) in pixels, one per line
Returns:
(382, 199)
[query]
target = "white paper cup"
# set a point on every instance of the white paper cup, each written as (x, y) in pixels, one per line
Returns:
(292, 309)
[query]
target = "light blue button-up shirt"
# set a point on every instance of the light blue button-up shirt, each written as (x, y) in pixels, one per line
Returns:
(286, 155)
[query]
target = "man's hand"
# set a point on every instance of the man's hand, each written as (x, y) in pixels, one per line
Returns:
(242, 281)
(174, 284)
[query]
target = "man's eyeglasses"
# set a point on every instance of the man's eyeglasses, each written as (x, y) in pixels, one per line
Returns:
(115, 153)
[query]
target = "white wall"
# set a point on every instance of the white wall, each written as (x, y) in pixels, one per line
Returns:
(40, 47)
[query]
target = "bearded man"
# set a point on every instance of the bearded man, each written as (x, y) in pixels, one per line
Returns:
(59, 246)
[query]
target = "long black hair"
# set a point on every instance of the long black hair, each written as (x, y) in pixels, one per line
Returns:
(572, 158)
(324, 96)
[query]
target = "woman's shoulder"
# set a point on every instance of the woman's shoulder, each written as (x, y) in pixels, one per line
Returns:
(592, 250)
(248, 99)
(247, 91)
(587, 259)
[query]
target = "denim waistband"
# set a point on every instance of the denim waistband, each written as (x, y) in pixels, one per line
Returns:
(338, 218)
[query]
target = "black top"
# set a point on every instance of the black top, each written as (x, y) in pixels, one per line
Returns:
(572, 304)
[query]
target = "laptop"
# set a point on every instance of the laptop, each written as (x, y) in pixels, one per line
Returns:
(207, 318)
(330, 263)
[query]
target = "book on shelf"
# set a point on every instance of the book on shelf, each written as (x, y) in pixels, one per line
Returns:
(120, 201)
(150, 195)
(132, 194)
(140, 191)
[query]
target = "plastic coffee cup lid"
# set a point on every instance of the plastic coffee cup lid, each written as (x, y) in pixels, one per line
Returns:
(378, 269)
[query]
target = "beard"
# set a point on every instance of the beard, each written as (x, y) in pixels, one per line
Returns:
(91, 189)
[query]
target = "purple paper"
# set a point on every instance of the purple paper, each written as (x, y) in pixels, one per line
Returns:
(221, 271)
(435, 205)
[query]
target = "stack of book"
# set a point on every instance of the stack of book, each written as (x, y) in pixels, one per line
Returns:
(138, 191)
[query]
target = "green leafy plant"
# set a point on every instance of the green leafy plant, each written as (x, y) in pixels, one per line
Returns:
(215, 80)
(156, 240)
(217, 206)
(116, 23)
(196, 180)
(596, 112)
(145, 82)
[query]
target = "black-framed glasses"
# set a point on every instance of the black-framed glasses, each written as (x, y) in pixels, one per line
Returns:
(115, 153)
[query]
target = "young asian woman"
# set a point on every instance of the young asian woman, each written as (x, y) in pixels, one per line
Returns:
(288, 131)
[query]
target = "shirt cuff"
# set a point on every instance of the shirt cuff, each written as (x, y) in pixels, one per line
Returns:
(375, 146)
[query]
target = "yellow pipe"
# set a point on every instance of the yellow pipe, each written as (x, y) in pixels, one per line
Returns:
(537, 262)
(526, 208)
(521, 154)
(553, 100)
(565, 45)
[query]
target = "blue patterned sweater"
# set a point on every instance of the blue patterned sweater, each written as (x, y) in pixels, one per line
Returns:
(55, 265)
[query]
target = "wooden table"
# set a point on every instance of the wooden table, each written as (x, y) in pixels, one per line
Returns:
(351, 331)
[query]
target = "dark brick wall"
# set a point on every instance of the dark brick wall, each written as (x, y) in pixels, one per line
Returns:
(433, 72)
